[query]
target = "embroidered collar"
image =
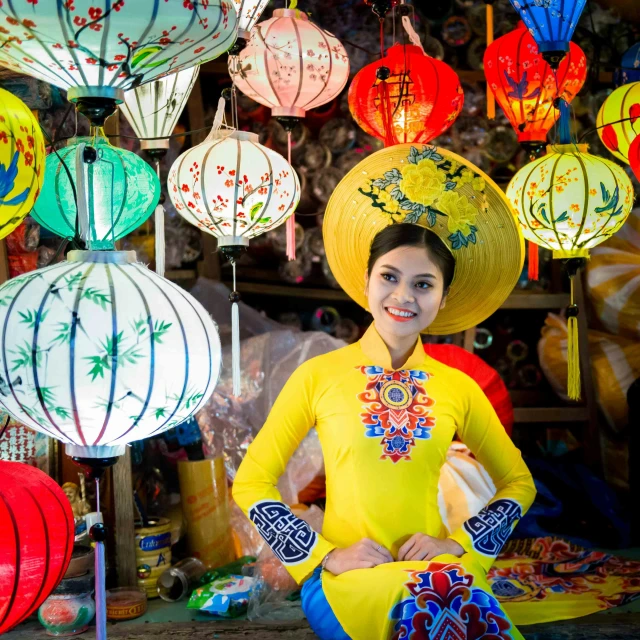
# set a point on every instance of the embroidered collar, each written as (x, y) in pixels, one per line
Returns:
(374, 347)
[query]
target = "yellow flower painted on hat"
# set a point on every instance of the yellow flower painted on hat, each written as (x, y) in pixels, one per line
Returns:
(422, 182)
(391, 205)
(461, 214)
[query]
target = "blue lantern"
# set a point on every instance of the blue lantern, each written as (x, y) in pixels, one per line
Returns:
(629, 69)
(551, 23)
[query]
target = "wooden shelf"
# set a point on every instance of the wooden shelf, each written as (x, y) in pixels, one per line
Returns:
(517, 300)
(550, 414)
(181, 274)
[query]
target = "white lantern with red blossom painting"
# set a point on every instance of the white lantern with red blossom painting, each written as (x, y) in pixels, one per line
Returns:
(291, 65)
(233, 188)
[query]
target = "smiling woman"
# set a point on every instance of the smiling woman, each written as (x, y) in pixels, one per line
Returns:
(424, 240)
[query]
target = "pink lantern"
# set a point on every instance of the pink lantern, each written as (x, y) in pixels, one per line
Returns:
(290, 65)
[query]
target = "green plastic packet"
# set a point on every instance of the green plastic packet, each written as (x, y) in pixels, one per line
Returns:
(233, 568)
(227, 597)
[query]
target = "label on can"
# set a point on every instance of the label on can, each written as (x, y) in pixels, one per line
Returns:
(151, 543)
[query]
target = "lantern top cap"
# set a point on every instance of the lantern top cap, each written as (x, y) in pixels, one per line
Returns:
(567, 148)
(290, 13)
(111, 257)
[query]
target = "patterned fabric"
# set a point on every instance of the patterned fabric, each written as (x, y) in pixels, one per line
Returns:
(291, 539)
(445, 605)
(396, 405)
(568, 580)
(492, 526)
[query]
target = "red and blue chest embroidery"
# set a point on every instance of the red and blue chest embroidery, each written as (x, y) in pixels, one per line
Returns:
(396, 408)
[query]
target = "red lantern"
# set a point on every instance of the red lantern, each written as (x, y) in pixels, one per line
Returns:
(484, 374)
(36, 540)
(634, 156)
(407, 96)
(525, 86)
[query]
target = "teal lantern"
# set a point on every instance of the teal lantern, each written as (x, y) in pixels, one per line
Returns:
(120, 192)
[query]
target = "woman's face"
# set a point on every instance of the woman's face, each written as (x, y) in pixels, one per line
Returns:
(405, 291)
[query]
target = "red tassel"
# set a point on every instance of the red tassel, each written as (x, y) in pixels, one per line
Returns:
(533, 261)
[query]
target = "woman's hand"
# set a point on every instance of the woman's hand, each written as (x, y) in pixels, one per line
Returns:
(364, 554)
(422, 547)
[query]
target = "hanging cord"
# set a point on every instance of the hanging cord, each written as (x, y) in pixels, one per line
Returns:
(411, 32)
(291, 221)
(159, 224)
(491, 100)
(99, 565)
(234, 298)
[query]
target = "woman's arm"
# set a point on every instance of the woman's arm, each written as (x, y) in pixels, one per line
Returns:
(483, 433)
(293, 541)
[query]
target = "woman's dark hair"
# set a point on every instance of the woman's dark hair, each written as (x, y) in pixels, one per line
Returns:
(412, 235)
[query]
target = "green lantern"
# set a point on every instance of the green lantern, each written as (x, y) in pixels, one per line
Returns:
(121, 190)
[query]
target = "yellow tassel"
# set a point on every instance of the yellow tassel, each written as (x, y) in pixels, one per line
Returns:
(491, 101)
(573, 357)
(573, 348)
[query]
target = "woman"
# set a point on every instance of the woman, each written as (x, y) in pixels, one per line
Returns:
(386, 413)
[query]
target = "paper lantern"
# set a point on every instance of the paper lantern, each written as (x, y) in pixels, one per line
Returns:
(21, 156)
(525, 86)
(290, 64)
(233, 187)
(634, 157)
(98, 351)
(153, 109)
(629, 69)
(406, 96)
(100, 48)
(570, 201)
(36, 540)
(121, 193)
(551, 23)
(616, 120)
(249, 12)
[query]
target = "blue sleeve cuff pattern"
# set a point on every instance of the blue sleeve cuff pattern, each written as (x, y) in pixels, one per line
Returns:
(492, 526)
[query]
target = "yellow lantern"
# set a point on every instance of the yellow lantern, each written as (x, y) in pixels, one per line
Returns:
(617, 117)
(21, 161)
(570, 201)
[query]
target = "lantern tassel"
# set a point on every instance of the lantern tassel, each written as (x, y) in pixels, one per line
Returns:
(100, 595)
(235, 335)
(291, 222)
(159, 223)
(534, 262)
(573, 348)
(491, 100)
(81, 195)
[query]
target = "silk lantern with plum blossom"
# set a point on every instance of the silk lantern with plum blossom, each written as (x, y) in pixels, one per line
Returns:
(97, 49)
(233, 188)
(526, 87)
(406, 96)
(570, 201)
(249, 12)
(617, 120)
(98, 351)
(22, 156)
(291, 65)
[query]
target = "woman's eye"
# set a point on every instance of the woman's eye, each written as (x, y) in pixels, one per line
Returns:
(389, 277)
(423, 285)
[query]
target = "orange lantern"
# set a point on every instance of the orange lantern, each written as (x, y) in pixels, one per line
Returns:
(526, 87)
(406, 96)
